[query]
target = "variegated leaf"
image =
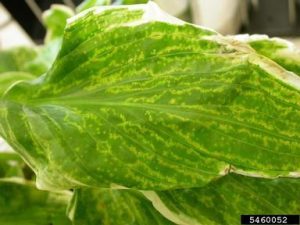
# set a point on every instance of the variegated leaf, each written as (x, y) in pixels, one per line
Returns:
(221, 202)
(140, 99)
(113, 207)
(224, 201)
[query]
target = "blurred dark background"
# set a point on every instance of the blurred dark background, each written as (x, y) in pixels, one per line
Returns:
(274, 17)
(22, 11)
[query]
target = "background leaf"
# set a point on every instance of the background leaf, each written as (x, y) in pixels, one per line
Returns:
(17, 59)
(21, 203)
(34, 60)
(55, 20)
(223, 201)
(9, 78)
(110, 207)
(10, 165)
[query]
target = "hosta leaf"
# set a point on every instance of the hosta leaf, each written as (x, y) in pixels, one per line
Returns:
(11, 164)
(17, 59)
(223, 201)
(46, 56)
(55, 20)
(34, 60)
(9, 78)
(220, 202)
(140, 99)
(21, 203)
(281, 51)
(111, 207)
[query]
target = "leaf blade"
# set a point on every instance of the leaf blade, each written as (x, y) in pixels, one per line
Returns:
(223, 201)
(169, 104)
(123, 207)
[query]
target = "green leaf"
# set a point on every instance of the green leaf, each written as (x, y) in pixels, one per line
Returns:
(281, 51)
(21, 203)
(34, 60)
(140, 99)
(10, 164)
(110, 207)
(46, 56)
(223, 201)
(220, 202)
(55, 20)
(9, 78)
(16, 59)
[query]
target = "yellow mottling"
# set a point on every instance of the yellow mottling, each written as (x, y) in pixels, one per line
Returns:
(122, 117)
(113, 136)
(172, 101)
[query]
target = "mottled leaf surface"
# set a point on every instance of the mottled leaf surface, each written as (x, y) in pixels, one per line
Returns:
(111, 207)
(21, 203)
(224, 200)
(220, 202)
(140, 99)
